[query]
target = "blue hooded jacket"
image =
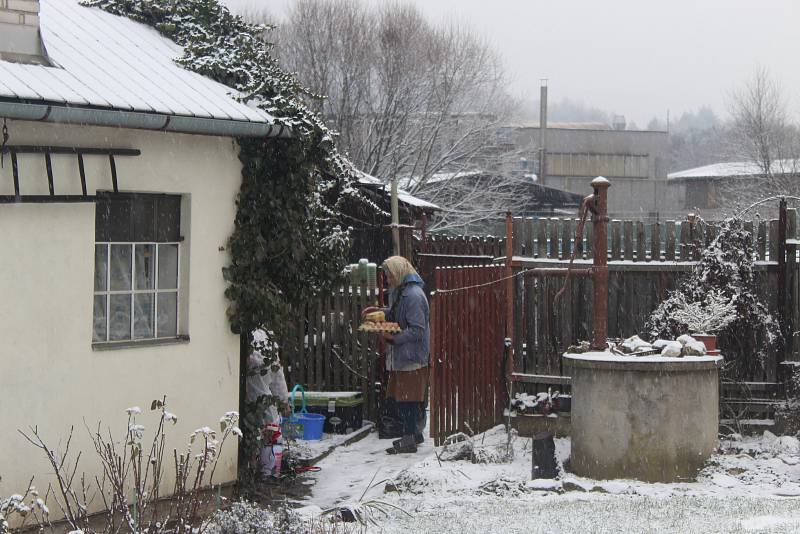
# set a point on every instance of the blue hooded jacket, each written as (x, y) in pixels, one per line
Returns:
(412, 344)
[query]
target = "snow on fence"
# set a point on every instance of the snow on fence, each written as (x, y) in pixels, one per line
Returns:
(467, 350)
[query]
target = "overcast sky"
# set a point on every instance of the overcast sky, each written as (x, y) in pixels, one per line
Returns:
(633, 57)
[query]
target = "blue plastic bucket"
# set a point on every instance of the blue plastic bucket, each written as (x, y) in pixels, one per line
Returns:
(309, 424)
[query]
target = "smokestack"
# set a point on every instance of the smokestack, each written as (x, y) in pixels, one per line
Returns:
(19, 32)
(543, 131)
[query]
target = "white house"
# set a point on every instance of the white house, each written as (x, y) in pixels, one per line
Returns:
(117, 195)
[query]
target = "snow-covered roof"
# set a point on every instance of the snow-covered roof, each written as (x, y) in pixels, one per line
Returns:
(106, 61)
(736, 169)
(403, 196)
(563, 125)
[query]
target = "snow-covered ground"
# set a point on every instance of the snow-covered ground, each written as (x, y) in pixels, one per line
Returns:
(751, 485)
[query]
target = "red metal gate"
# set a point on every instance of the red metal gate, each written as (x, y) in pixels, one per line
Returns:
(468, 322)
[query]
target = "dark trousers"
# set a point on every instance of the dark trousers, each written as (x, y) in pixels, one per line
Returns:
(409, 413)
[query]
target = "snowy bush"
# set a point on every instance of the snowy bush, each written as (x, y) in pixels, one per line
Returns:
(724, 276)
(707, 316)
(248, 518)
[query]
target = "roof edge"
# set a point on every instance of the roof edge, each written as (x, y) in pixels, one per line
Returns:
(140, 120)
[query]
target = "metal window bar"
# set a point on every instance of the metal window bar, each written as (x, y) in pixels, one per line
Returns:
(48, 152)
(107, 292)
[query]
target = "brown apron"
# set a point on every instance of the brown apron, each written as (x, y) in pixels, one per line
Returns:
(408, 386)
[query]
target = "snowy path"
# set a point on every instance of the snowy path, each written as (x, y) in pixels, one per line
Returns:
(347, 473)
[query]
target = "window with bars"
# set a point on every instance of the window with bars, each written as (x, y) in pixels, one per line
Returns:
(137, 267)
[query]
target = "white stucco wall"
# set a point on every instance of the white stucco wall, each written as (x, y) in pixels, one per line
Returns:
(50, 376)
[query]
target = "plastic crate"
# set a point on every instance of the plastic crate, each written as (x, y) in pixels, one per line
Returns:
(343, 410)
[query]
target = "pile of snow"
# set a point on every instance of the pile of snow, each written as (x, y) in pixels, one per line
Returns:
(685, 345)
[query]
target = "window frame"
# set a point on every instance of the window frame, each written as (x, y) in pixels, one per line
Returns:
(133, 291)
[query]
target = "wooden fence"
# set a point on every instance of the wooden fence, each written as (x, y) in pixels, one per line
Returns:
(467, 350)
(324, 351)
(646, 261)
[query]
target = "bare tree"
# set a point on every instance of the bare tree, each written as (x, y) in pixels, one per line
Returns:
(410, 100)
(763, 136)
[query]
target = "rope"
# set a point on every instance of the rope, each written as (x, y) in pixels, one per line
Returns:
(485, 284)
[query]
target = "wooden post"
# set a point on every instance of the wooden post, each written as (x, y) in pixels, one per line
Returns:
(509, 290)
(395, 219)
(782, 222)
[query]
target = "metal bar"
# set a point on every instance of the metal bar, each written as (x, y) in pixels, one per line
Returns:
(89, 151)
(15, 172)
(44, 199)
(113, 173)
(48, 163)
(82, 172)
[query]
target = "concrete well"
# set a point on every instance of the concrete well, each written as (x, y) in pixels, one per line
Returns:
(648, 418)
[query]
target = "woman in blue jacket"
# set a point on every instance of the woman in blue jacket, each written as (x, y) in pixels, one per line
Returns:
(407, 357)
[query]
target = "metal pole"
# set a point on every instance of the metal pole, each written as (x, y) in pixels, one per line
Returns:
(600, 221)
(542, 131)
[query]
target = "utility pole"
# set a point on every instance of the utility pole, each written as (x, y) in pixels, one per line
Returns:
(542, 130)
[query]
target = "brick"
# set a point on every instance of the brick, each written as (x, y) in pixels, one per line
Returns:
(31, 20)
(28, 6)
(10, 17)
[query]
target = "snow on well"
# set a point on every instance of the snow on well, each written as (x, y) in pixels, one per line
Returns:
(611, 357)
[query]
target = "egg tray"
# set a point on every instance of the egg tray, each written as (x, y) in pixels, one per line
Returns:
(379, 328)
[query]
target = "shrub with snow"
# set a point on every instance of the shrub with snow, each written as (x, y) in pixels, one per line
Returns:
(724, 277)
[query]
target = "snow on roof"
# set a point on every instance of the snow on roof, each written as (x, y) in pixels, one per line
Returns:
(103, 60)
(403, 196)
(736, 168)
(563, 125)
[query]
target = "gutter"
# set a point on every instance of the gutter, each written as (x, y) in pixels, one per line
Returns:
(140, 121)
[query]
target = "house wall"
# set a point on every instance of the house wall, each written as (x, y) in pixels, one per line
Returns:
(51, 376)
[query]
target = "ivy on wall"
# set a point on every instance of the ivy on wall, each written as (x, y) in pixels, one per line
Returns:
(288, 243)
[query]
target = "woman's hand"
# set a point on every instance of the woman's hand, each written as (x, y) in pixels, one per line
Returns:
(369, 309)
(389, 338)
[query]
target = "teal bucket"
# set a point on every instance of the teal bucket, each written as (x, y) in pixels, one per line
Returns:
(309, 425)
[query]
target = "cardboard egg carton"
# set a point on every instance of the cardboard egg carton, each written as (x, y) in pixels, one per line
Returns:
(380, 327)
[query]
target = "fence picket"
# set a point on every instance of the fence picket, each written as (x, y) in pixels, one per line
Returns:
(655, 240)
(527, 236)
(641, 242)
(669, 248)
(761, 242)
(517, 234)
(627, 239)
(552, 230)
(773, 240)
(616, 239)
(685, 248)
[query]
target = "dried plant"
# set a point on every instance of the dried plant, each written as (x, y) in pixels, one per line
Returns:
(132, 478)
